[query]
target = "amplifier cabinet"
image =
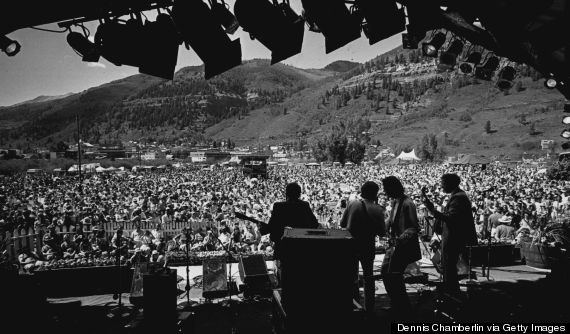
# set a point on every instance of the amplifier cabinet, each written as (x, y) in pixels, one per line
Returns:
(317, 272)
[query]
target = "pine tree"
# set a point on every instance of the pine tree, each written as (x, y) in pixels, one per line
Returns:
(488, 127)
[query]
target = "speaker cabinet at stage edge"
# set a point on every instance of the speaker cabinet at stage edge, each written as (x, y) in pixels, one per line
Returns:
(159, 297)
(318, 270)
(253, 270)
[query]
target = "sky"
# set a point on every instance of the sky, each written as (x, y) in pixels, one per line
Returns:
(46, 65)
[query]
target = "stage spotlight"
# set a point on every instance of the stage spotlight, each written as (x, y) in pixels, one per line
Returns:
(121, 43)
(382, 19)
(486, 71)
(276, 26)
(160, 59)
(469, 64)
(431, 48)
(447, 59)
(334, 20)
(566, 120)
(87, 49)
(550, 82)
(506, 77)
(565, 134)
(9, 46)
(225, 17)
(199, 28)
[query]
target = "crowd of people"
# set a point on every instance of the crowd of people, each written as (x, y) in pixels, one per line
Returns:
(508, 201)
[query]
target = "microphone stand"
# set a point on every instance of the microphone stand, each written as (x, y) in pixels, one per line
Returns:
(187, 304)
(489, 238)
(230, 285)
(119, 311)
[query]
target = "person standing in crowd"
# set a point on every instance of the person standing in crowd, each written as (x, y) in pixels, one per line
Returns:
(456, 226)
(403, 229)
(293, 213)
(364, 219)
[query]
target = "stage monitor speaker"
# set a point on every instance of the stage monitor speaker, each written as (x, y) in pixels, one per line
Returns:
(253, 270)
(318, 271)
(159, 296)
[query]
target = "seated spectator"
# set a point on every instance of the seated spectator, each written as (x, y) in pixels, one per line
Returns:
(505, 231)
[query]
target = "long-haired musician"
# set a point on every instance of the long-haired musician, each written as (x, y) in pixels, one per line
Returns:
(403, 229)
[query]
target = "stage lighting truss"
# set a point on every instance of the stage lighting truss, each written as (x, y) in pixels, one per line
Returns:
(448, 59)
(79, 42)
(275, 25)
(199, 28)
(334, 20)
(431, 48)
(9, 47)
(382, 19)
(487, 70)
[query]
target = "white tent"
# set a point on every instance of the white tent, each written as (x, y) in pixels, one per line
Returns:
(100, 169)
(408, 156)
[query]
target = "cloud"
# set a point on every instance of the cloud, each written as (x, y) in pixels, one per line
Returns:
(96, 65)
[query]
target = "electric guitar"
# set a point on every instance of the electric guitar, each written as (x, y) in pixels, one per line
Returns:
(263, 226)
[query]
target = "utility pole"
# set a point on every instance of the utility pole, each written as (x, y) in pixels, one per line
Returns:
(79, 150)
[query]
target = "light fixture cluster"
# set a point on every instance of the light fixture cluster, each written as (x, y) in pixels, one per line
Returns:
(204, 26)
(152, 46)
(472, 63)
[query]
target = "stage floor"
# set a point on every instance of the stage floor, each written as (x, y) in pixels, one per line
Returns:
(512, 293)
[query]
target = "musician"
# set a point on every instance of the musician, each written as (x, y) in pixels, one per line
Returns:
(456, 226)
(403, 229)
(293, 213)
(364, 219)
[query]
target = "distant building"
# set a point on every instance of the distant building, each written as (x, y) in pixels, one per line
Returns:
(113, 151)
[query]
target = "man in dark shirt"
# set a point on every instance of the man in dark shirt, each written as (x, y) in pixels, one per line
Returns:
(456, 226)
(364, 219)
(293, 213)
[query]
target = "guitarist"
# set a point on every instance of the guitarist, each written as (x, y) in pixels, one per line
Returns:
(456, 226)
(293, 213)
(403, 229)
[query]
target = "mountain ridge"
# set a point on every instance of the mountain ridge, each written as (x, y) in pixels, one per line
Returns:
(397, 98)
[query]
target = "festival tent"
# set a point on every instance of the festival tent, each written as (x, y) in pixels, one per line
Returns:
(472, 159)
(100, 169)
(111, 169)
(408, 156)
